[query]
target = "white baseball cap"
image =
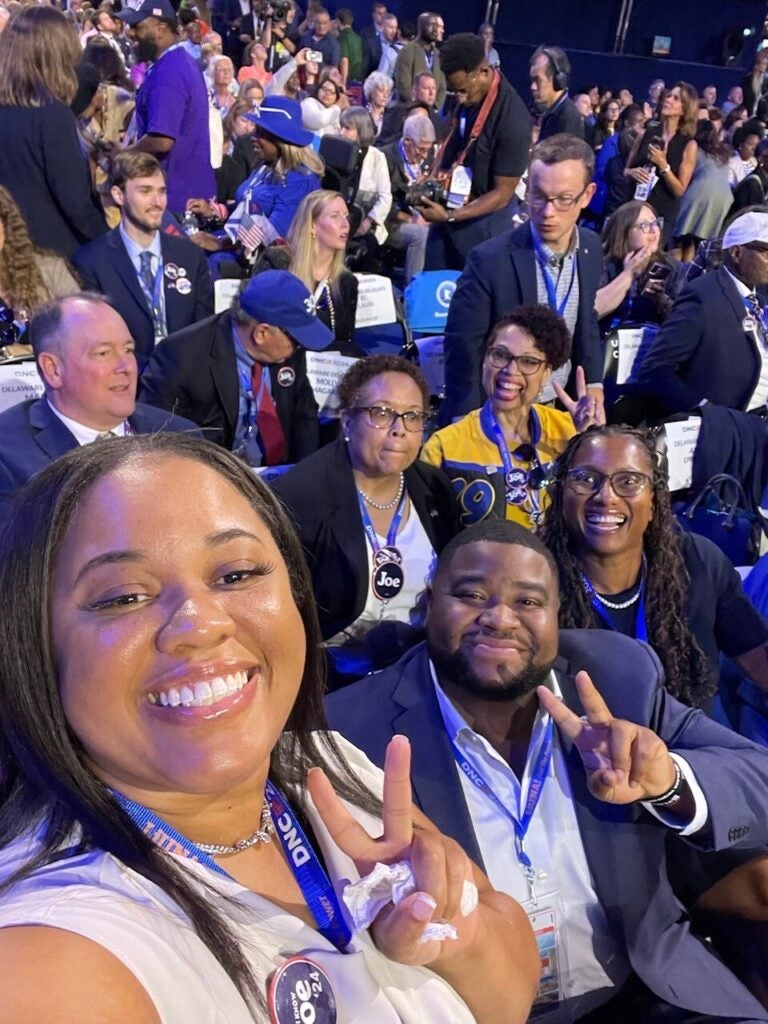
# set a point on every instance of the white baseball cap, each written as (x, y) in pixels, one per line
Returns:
(752, 227)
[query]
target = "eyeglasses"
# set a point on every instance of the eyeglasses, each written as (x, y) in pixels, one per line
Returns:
(501, 358)
(384, 418)
(536, 201)
(625, 484)
(646, 226)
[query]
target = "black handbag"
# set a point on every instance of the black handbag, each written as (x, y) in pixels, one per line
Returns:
(730, 523)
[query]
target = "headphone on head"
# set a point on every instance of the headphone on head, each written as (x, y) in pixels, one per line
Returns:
(560, 76)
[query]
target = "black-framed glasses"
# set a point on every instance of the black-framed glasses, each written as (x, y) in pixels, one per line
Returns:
(646, 226)
(384, 418)
(501, 357)
(537, 201)
(626, 483)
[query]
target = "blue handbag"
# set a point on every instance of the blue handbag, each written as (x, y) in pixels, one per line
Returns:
(730, 523)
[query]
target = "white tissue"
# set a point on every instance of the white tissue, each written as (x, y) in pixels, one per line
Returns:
(391, 883)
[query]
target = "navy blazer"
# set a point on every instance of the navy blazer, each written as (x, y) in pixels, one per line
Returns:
(624, 845)
(105, 266)
(194, 374)
(321, 499)
(32, 437)
(702, 350)
(500, 275)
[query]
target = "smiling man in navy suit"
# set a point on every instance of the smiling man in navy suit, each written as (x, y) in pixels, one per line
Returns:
(86, 359)
(158, 282)
(560, 764)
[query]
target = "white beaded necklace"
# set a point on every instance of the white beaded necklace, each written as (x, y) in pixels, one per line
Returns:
(383, 507)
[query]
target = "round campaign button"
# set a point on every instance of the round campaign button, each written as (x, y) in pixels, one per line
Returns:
(300, 992)
(388, 576)
(286, 375)
(183, 286)
(516, 482)
(181, 271)
(171, 271)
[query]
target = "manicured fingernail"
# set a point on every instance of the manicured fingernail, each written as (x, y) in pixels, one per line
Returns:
(422, 907)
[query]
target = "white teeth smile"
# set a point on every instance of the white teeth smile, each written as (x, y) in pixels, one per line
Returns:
(605, 520)
(198, 695)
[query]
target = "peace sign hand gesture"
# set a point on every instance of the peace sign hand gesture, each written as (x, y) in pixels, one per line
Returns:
(587, 410)
(624, 762)
(439, 865)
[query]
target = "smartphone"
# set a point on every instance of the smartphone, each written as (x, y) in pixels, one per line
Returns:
(315, 55)
(659, 271)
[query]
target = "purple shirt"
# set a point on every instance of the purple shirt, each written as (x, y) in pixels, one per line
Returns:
(173, 101)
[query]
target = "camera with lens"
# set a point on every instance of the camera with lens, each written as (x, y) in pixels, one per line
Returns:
(11, 330)
(431, 188)
(278, 9)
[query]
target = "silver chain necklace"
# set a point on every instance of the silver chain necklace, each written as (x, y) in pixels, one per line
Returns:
(383, 507)
(263, 834)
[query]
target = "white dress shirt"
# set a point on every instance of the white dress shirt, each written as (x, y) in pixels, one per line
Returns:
(84, 435)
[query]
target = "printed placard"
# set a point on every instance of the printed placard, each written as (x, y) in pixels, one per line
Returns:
(432, 363)
(630, 340)
(18, 382)
(224, 290)
(324, 371)
(682, 437)
(375, 301)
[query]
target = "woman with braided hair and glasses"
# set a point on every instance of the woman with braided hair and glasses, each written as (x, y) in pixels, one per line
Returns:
(624, 565)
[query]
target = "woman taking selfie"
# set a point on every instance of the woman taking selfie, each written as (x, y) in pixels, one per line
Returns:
(164, 850)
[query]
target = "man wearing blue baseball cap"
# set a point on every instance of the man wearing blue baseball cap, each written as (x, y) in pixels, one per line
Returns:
(172, 103)
(241, 375)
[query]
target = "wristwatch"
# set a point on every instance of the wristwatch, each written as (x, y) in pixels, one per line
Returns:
(451, 216)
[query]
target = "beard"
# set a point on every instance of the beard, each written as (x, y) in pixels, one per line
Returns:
(454, 667)
(138, 222)
(146, 51)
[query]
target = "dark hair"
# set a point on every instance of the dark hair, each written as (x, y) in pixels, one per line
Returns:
(741, 135)
(106, 58)
(345, 17)
(557, 60)
(688, 675)
(709, 142)
(45, 327)
(495, 531)
(364, 370)
(562, 146)
(630, 111)
(462, 52)
(546, 328)
(44, 777)
(618, 227)
(602, 117)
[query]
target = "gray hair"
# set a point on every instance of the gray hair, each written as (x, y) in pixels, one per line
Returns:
(418, 128)
(376, 79)
(359, 119)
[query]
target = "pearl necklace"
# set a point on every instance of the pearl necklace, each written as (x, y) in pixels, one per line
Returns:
(263, 834)
(617, 606)
(383, 507)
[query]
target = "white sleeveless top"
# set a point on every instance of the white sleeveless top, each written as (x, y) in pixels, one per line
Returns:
(97, 896)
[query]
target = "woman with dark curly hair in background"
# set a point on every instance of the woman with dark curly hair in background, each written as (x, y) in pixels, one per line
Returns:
(28, 276)
(624, 565)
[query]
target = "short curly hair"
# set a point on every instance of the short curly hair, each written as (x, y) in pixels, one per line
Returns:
(547, 329)
(364, 370)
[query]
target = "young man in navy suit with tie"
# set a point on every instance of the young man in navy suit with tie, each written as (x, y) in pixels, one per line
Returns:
(158, 282)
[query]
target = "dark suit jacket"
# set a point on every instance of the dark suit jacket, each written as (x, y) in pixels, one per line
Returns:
(701, 351)
(371, 49)
(563, 118)
(624, 846)
(321, 499)
(106, 267)
(499, 276)
(32, 436)
(194, 374)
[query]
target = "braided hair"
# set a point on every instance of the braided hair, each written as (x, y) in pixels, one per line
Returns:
(688, 674)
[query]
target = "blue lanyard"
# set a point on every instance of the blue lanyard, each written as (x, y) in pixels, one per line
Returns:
(550, 285)
(492, 429)
(641, 628)
(522, 823)
(309, 873)
(370, 533)
(155, 298)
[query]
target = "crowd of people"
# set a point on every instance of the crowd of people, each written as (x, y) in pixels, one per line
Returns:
(326, 693)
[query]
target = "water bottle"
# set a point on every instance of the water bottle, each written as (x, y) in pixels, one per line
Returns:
(189, 223)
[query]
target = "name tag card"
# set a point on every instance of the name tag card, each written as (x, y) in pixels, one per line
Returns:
(375, 301)
(224, 290)
(630, 340)
(18, 382)
(682, 437)
(324, 371)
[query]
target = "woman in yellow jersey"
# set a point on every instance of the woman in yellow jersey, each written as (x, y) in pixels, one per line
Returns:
(498, 457)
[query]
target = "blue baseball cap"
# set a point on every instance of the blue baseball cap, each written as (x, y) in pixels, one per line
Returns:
(279, 298)
(161, 9)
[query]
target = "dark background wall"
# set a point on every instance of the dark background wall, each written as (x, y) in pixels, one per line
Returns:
(587, 29)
